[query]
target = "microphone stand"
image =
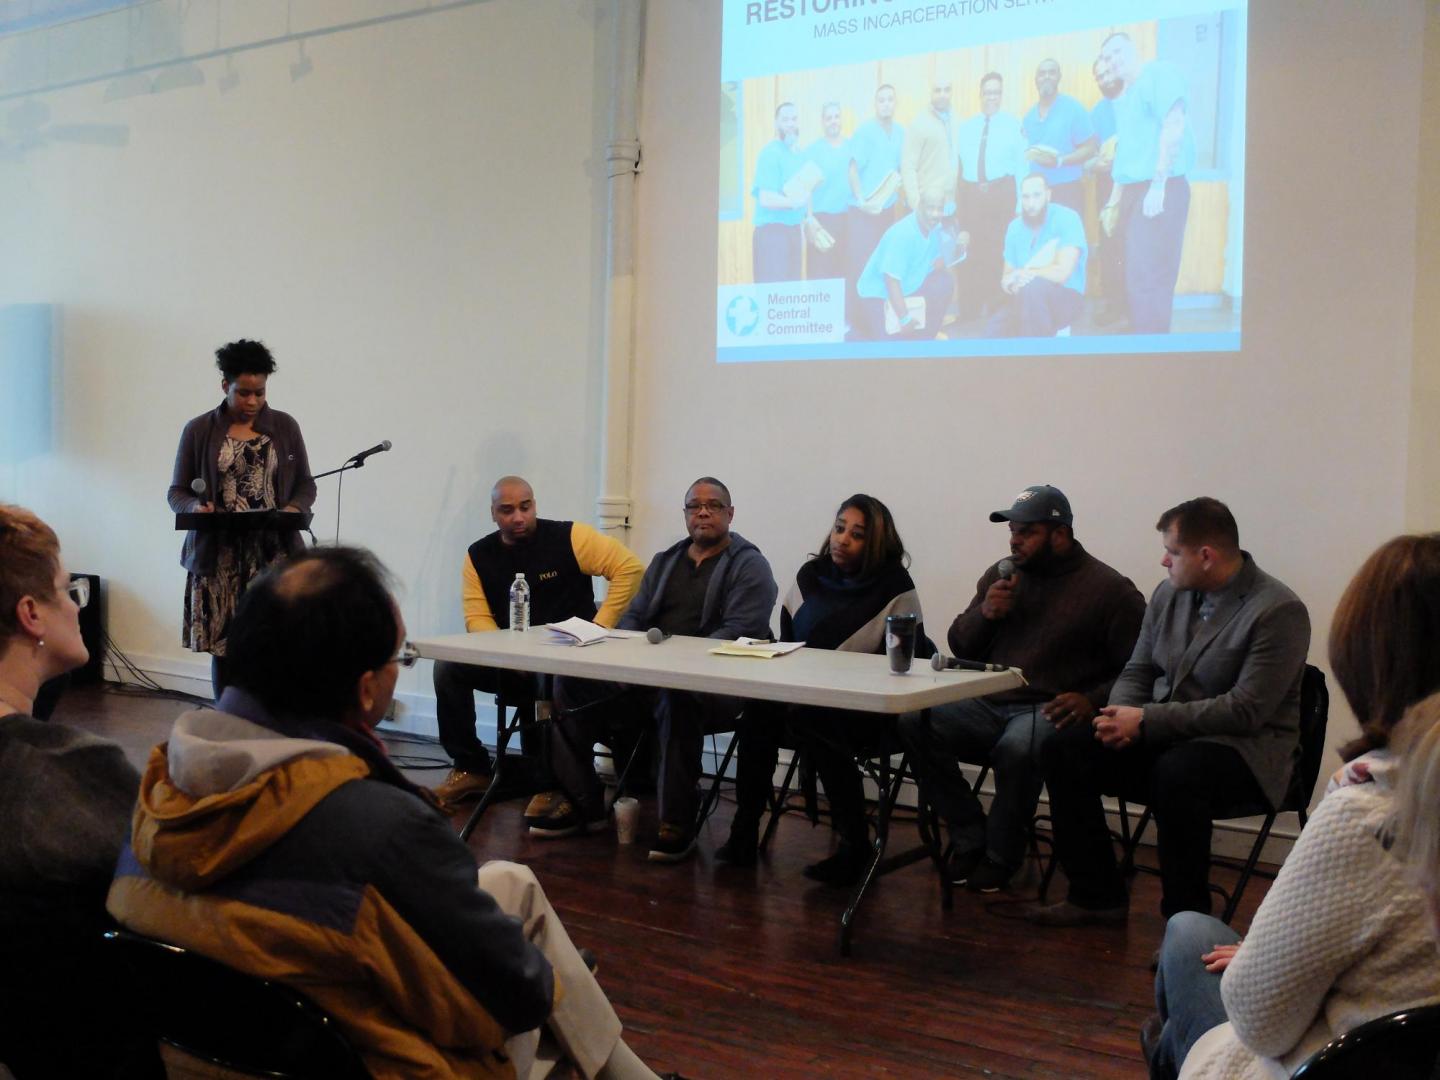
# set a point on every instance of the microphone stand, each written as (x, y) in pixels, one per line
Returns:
(353, 463)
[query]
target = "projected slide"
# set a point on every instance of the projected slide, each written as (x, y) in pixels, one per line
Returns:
(912, 178)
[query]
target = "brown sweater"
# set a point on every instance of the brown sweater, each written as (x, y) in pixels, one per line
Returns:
(1073, 627)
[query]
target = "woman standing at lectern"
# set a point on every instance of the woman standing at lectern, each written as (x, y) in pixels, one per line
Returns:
(247, 456)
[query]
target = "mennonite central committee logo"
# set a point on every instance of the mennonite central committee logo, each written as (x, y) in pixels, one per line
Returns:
(742, 315)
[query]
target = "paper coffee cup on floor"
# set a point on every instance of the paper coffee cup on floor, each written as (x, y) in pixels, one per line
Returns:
(627, 816)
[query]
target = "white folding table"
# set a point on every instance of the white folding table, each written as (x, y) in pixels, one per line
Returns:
(816, 677)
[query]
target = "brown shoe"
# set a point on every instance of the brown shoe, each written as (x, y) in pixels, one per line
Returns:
(461, 785)
(540, 806)
(1067, 914)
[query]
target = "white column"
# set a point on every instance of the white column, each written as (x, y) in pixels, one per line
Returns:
(622, 156)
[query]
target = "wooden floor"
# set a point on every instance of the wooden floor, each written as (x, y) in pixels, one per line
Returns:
(720, 972)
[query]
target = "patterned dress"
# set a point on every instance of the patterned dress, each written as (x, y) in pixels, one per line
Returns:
(247, 482)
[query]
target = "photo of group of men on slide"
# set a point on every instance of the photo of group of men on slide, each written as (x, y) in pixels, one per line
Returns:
(975, 226)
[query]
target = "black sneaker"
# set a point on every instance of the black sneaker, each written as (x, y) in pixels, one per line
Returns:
(842, 868)
(738, 852)
(961, 864)
(565, 820)
(989, 877)
(674, 843)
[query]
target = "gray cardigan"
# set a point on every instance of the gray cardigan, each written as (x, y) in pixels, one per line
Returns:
(1236, 683)
(738, 601)
(66, 797)
(199, 456)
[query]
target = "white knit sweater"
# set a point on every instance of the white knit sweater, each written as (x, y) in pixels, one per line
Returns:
(1341, 937)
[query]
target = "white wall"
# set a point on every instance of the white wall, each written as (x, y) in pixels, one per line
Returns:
(1423, 496)
(1305, 433)
(416, 227)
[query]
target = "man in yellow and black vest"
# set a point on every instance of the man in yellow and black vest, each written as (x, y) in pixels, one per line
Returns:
(559, 560)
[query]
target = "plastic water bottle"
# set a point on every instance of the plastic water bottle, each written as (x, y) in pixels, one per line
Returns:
(520, 604)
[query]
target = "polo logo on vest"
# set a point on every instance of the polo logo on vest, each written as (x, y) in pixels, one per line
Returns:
(549, 574)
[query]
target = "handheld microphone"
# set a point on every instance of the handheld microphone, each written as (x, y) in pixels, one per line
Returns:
(655, 635)
(941, 662)
(378, 448)
(198, 486)
(1005, 568)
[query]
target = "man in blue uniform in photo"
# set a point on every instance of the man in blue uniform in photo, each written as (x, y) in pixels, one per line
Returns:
(907, 265)
(1109, 251)
(1060, 136)
(875, 151)
(775, 243)
(826, 228)
(1154, 152)
(1044, 275)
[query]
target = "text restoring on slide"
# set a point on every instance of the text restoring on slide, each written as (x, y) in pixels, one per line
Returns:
(915, 178)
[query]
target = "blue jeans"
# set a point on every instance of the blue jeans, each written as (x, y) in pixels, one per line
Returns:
(1009, 738)
(1186, 995)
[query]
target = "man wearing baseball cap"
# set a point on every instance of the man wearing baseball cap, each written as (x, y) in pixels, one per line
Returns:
(1069, 623)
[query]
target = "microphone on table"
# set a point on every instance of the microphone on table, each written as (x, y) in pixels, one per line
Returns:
(655, 635)
(941, 662)
(378, 448)
(1005, 568)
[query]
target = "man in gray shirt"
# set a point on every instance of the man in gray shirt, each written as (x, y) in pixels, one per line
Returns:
(1205, 715)
(713, 583)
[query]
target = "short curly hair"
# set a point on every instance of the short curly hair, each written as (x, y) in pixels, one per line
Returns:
(244, 357)
(29, 557)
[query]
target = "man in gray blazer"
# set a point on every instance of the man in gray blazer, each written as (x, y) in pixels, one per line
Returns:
(1206, 715)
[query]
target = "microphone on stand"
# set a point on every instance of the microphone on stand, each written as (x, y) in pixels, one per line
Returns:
(379, 448)
(941, 662)
(655, 635)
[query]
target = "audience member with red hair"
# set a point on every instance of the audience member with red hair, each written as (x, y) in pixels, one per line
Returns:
(65, 800)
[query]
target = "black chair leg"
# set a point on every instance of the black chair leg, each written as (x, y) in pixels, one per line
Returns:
(1233, 900)
(712, 796)
(1048, 875)
(777, 804)
(928, 824)
(503, 731)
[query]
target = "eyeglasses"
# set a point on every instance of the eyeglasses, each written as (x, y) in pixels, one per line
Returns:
(407, 655)
(79, 591)
(714, 506)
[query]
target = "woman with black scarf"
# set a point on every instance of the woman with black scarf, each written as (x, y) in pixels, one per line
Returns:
(840, 600)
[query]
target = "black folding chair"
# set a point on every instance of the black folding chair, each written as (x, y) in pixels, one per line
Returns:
(229, 1020)
(711, 798)
(521, 715)
(1314, 717)
(1402, 1046)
